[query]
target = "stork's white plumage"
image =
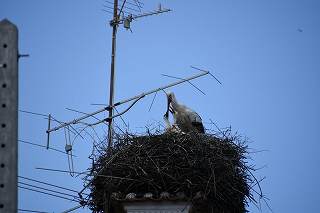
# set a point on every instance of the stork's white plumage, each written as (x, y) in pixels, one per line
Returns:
(184, 118)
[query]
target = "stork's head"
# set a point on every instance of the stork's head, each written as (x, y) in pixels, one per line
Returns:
(171, 97)
(171, 102)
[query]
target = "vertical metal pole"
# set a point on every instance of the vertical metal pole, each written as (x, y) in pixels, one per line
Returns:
(8, 116)
(112, 75)
(48, 133)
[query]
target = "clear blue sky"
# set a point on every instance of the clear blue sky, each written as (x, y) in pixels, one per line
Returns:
(270, 72)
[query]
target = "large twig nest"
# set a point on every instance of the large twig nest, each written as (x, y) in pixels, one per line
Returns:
(209, 171)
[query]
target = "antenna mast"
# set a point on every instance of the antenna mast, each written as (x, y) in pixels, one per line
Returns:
(114, 24)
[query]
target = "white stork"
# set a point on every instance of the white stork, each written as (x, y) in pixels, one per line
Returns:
(184, 118)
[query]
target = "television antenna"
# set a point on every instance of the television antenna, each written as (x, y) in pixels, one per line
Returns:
(114, 23)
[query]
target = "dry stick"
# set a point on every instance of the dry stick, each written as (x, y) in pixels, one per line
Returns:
(98, 173)
(205, 191)
(260, 194)
(217, 127)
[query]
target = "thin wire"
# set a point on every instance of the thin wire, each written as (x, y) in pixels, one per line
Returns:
(34, 190)
(154, 97)
(86, 173)
(39, 145)
(74, 139)
(187, 81)
(117, 126)
(46, 117)
(27, 210)
(46, 183)
(95, 145)
(99, 104)
(121, 117)
(62, 171)
(43, 115)
(72, 209)
(95, 132)
(45, 189)
(33, 113)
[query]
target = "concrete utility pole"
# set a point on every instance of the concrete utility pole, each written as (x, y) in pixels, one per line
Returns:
(8, 116)
(114, 24)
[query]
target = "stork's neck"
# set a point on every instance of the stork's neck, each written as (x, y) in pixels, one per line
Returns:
(175, 105)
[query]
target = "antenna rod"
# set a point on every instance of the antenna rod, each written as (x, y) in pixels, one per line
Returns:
(113, 56)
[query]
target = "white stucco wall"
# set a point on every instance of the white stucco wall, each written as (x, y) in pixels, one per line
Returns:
(157, 207)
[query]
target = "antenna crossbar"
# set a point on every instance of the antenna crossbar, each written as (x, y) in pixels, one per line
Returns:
(137, 97)
(119, 21)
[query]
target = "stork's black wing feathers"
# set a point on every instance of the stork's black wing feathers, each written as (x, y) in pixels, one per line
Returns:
(198, 126)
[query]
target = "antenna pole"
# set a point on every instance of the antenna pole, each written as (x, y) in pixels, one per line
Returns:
(112, 75)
